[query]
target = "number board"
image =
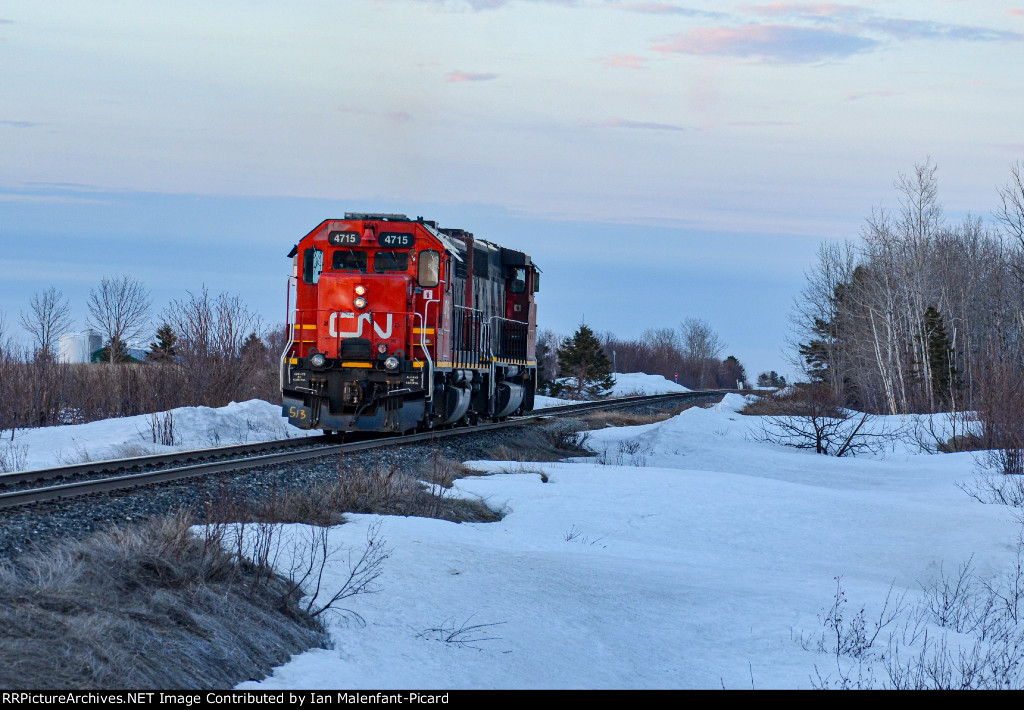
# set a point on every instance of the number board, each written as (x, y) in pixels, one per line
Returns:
(395, 239)
(344, 239)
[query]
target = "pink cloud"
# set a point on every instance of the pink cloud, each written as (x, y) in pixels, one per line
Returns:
(821, 9)
(663, 8)
(781, 43)
(400, 116)
(1015, 11)
(457, 77)
(625, 61)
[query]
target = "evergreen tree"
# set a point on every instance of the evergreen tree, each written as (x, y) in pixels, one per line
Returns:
(114, 351)
(583, 361)
(253, 348)
(771, 379)
(165, 347)
(730, 372)
(944, 376)
(543, 354)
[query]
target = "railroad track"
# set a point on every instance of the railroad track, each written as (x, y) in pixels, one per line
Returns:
(123, 474)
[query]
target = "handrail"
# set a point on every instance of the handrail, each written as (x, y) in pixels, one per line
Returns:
(285, 364)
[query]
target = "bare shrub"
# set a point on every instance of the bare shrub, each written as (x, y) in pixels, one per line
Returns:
(312, 557)
(966, 632)
(162, 428)
(13, 457)
(990, 485)
(1001, 412)
(218, 350)
(463, 635)
(567, 440)
(815, 420)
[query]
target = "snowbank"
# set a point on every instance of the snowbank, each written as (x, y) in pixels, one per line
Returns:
(639, 383)
(193, 428)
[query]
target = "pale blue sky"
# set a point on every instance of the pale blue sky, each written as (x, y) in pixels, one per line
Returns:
(660, 159)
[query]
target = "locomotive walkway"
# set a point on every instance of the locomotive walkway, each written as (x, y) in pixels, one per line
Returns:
(123, 474)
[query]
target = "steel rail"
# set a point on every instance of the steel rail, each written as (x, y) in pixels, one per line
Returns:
(161, 475)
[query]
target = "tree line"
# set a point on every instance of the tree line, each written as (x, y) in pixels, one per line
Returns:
(579, 365)
(209, 350)
(922, 314)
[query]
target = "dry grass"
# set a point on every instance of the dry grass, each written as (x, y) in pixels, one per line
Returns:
(600, 420)
(382, 490)
(618, 417)
(796, 402)
(151, 606)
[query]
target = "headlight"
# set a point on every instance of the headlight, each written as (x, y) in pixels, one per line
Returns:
(360, 290)
(382, 348)
(360, 302)
(318, 360)
(391, 363)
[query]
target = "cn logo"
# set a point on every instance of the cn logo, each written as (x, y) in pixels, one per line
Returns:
(332, 326)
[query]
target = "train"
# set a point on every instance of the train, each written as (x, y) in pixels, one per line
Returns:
(401, 325)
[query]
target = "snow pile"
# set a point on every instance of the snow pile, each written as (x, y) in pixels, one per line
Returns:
(626, 384)
(542, 402)
(193, 428)
(639, 383)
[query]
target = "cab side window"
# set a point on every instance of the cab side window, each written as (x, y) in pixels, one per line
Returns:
(517, 280)
(429, 274)
(312, 265)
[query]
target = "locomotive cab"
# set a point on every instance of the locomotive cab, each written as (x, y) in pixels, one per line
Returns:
(391, 331)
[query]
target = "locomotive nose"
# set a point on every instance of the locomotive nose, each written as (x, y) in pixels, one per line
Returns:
(368, 307)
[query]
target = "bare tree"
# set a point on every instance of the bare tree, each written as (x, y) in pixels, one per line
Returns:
(700, 341)
(48, 318)
(1011, 212)
(119, 309)
(701, 347)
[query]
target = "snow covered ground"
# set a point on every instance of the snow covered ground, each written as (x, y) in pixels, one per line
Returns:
(689, 555)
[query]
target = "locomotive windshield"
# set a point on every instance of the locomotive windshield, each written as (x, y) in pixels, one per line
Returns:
(390, 261)
(349, 260)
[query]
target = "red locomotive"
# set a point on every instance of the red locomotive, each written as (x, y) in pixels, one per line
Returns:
(402, 325)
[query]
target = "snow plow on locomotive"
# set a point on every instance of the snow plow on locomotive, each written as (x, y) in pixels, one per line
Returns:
(399, 324)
